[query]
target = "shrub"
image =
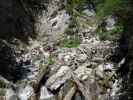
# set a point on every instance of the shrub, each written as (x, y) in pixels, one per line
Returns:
(108, 7)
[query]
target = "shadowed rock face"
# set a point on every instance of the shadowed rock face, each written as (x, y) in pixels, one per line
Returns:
(14, 20)
(7, 61)
(126, 70)
(9, 68)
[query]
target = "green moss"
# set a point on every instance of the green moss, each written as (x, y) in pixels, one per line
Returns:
(113, 34)
(71, 43)
(51, 61)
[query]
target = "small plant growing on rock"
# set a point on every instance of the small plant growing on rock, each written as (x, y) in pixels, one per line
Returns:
(71, 43)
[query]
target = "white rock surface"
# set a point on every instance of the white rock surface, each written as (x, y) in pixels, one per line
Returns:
(56, 80)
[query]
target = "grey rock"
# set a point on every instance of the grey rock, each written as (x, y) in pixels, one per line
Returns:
(100, 71)
(56, 80)
(110, 23)
(81, 58)
(98, 59)
(24, 92)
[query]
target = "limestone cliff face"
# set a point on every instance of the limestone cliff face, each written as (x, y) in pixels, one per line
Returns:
(53, 21)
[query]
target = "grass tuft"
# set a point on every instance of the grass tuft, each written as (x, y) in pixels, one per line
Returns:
(71, 43)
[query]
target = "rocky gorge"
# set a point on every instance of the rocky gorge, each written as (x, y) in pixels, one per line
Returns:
(62, 61)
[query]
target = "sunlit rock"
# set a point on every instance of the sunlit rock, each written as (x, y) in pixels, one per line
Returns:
(45, 94)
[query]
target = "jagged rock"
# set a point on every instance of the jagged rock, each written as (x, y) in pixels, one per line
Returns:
(84, 89)
(65, 89)
(83, 73)
(56, 80)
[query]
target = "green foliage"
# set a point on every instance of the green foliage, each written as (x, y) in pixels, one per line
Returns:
(73, 5)
(109, 7)
(71, 43)
(51, 61)
(118, 8)
(111, 34)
